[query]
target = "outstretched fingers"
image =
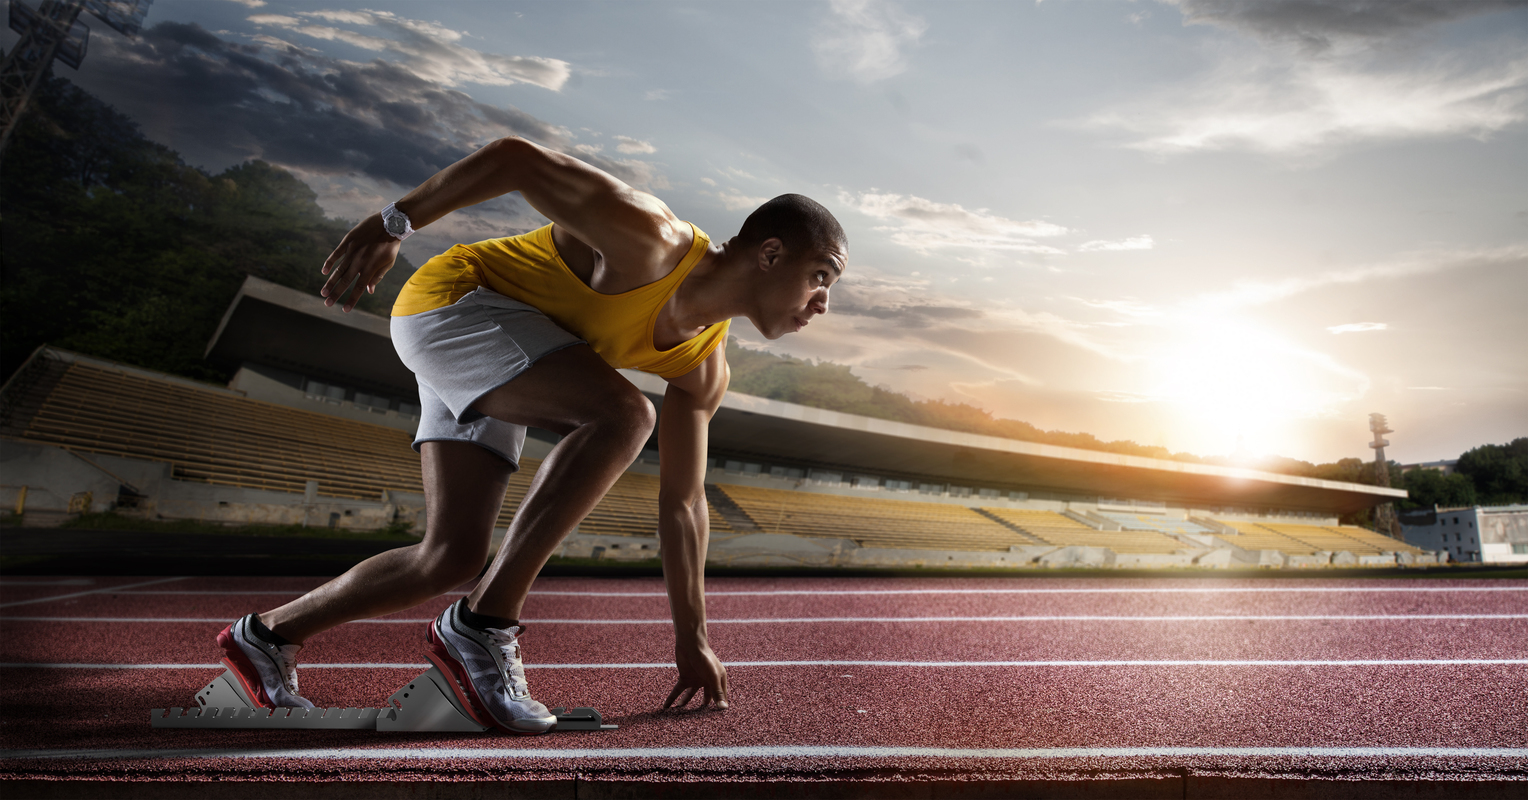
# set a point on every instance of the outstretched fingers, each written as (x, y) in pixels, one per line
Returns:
(685, 691)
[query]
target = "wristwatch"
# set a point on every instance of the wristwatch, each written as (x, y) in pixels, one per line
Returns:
(396, 222)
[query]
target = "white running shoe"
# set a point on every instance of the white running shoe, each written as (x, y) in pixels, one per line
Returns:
(485, 669)
(267, 672)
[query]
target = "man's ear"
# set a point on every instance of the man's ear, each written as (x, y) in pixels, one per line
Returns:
(771, 252)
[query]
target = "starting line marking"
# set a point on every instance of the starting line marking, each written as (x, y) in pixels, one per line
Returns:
(830, 751)
(784, 620)
(1360, 662)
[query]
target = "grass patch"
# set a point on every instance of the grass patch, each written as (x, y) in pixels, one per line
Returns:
(112, 521)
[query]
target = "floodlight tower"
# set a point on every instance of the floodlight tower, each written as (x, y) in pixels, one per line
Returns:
(1384, 514)
(54, 31)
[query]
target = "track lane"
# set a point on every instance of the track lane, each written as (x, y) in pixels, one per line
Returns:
(868, 707)
(1037, 709)
(89, 642)
(795, 607)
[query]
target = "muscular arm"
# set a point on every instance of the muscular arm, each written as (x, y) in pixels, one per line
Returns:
(683, 529)
(634, 232)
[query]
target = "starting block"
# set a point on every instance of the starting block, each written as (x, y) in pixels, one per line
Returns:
(428, 703)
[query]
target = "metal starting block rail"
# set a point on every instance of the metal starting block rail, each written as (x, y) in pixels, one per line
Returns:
(425, 704)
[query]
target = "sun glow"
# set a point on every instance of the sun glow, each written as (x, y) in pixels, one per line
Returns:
(1239, 389)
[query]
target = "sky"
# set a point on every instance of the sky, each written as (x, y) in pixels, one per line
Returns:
(1223, 227)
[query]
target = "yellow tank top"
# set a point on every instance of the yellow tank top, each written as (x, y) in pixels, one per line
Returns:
(528, 268)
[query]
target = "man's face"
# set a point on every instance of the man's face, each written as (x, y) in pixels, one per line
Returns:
(796, 286)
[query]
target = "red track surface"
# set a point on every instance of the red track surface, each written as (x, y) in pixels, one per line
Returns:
(1462, 714)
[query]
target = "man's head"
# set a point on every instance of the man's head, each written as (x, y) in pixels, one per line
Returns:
(799, 251)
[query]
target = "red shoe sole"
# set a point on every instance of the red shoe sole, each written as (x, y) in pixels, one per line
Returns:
(241, 667)
(466, 694)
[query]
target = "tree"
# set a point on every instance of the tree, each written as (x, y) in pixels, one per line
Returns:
(116, 248)
(1430, 487)
(1498, 471)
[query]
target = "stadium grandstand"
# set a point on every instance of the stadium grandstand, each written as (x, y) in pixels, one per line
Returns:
(315, 428)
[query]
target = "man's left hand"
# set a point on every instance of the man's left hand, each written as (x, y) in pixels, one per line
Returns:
(699, 671)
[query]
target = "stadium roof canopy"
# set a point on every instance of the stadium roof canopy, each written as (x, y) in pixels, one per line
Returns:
(281, 327)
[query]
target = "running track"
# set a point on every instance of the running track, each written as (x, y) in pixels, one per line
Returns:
(980, 680)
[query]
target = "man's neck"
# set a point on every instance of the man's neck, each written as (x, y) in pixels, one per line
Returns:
(711, 293)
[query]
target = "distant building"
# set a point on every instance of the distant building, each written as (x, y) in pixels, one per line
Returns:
(1490, 534)
(1445, 467)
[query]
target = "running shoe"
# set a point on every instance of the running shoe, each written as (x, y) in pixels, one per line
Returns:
(485, 670)
(267, 673)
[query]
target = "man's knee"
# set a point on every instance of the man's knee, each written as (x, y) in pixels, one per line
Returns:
(630, 409)
(446, 566)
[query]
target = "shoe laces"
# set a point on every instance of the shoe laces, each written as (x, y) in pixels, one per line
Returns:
(509, 649)
(286, 661)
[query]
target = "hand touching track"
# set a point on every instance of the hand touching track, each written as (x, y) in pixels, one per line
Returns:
(699, 671)
(367, 252)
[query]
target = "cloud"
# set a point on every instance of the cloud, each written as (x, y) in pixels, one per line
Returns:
(1323, 75)
(925, 226)
(1307, 106)
(427, 49)
(1252, 293)
(221, 102)
(1133, 243)
(734, 200)
(630, 145)
(1358, 327)
(1127, 307)
(1316, 25)
(249, 3)
(866, 39)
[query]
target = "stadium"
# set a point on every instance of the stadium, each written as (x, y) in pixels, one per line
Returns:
(1027, 515)
(310, 432)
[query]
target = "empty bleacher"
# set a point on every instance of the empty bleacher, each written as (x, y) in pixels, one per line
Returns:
(210, 436)
(214, 436)
(1335, 539)
(1297, 539)
(220, 438)
(1061, 531)
(872, 522)
(1151, 522)
(1255, 536)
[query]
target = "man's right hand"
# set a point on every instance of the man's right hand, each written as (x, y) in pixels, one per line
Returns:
(365, 254)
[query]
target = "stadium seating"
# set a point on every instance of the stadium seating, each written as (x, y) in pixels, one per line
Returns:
(1254, 536)
(1056, 529)
(215, 437)
(1150, 522)
(1295, 539)
(219, 438)
(872, 522)
(1335, 539)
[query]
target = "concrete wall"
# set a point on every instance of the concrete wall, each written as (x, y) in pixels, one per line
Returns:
(53, 476)
(259, 383)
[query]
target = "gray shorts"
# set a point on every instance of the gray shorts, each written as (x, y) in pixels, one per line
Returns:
(466, 350)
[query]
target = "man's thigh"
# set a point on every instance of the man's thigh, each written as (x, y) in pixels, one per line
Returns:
(561, 391)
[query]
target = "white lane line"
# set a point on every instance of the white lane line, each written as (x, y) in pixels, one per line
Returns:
(30, 665)
(783, 620)
(871, 592)
(1364, 662)
(828, 752)
(102, 590)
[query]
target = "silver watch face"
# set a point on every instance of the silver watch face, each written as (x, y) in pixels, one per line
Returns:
(395, 224)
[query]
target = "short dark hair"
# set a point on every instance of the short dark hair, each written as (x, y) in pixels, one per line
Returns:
(798, 221)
